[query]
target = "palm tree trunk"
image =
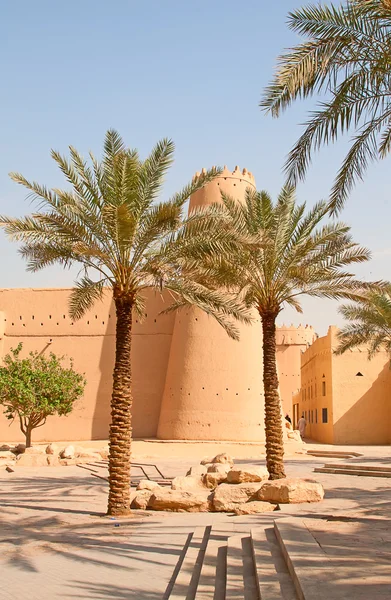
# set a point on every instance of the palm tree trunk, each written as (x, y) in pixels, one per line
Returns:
(121, 406)
(273, 421)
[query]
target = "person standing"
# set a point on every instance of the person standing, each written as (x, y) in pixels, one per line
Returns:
(302, 425)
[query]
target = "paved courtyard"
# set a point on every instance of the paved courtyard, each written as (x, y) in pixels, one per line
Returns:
(57, 544)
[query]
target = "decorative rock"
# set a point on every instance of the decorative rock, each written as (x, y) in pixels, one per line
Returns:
(223, 458)
(180, 500)
(141, 499)
(197, 470)
(246, 473)
(206, 461)
(33, 460)
(88, 454)
(295, 435)
(187, 483)
(20, 448)
(254, 507)
(146, 484)
(212, 480)
(9, 469)
(52, 460)
(5, 448)
(227, 497)
(7, 454)
(35, 450)
(68, 452)
(52, 449)
(291, 491)
(219, 468)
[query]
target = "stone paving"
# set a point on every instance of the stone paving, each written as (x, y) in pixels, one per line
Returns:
(56, 543)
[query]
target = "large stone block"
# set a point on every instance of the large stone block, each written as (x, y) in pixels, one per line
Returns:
(180, 500)
(141, 499)
(33, 460)
(147, 484)
(219, 468)
(291, 491)
(254, 507)
(212, 480)
(196, 470)
(187, 483)
(246, 473)
(227, 497)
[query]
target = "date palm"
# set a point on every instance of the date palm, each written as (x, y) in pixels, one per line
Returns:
(346, 55)
(291, 253)
(110, 223)
(370, 323)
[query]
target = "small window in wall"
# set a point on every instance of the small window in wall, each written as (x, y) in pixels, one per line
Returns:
(312, 416)
(315, 391)
(323, 388)
(324, 415)
(312, 392)
(359, 374)
(316, 415)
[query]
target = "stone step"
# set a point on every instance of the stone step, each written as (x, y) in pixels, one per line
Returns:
(186, 582)
(212, 581)
(360, 467)
(356, 472)
(272, 576)
(333, 454)
(235, 582)
(309, 566)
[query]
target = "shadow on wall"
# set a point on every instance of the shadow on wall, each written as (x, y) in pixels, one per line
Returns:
(368, 421)
(150, 353)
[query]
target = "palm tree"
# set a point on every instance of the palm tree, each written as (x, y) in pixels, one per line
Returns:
(110, 224)
(346, 54)
(370, 323)
(289, 254)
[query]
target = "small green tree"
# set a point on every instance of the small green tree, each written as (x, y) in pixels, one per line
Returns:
(35, 387)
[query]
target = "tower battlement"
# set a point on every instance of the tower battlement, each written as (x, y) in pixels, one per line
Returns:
(242, 174)
(290, 335)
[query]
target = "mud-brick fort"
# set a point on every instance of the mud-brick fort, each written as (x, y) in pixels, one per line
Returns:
(190, 381)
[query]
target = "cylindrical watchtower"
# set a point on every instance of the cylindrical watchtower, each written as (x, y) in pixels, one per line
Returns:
(213, 388)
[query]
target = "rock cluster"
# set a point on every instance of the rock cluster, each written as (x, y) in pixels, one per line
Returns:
(219, 486)
(48, 455)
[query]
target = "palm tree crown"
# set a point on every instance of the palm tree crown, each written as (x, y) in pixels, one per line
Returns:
(290, 253)
(370, 324)
(347, 55)
(111, 224)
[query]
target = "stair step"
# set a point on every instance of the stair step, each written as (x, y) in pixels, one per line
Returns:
(235, 582)
(272, 575)
(360, 467)
(212, 581)
(185, 585)
(332, 454)
(310, 567)
(356, 472)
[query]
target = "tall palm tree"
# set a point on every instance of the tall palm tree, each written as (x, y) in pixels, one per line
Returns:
(110, 224)
(370, 323)
(345, 55)
(289, 254)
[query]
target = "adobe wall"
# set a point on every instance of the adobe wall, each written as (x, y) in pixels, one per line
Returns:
(39, 318)
(316, 391)
(357, 394)
(361, 389)
(291, 343)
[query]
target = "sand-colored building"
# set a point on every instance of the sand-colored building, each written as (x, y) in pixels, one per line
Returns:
(190, 381)
(345, 399)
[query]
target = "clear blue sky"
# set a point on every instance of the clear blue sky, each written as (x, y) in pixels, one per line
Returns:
(190, 70)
